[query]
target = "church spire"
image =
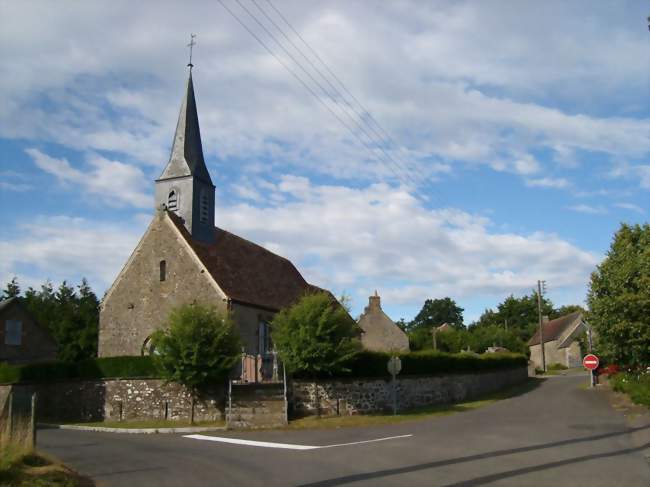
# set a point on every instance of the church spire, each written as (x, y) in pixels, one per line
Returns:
(185, 187)
(186, 158)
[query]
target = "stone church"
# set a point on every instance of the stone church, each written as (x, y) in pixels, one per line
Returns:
(183, 258)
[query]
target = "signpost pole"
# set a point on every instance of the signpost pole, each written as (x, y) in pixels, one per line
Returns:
(394, 396)
(591, 362)
(394, 367)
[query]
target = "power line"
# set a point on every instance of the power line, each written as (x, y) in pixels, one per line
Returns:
(336, 91)
(300, 80)
(338, 80)
(387, 156)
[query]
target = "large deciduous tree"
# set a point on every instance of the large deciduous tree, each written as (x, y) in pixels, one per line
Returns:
(619, 298)
(435, 312)
(316, 336)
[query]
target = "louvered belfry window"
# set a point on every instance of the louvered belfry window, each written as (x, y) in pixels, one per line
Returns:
(172, 200)
(204, 207)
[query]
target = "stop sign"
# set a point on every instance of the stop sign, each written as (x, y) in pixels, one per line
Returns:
(590, 361)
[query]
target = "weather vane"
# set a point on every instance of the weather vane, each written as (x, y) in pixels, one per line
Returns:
(191, 46)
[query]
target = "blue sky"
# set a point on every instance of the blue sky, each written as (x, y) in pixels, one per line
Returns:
(518, 139)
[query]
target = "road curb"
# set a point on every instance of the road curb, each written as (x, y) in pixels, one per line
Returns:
(142, 431)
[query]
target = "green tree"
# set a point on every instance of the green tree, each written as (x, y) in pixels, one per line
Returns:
(12, 290)
(435, 312)
(567, 309)
(199, 346)
(619, 298)
(518, 315)
(316, 336)
(71, 317)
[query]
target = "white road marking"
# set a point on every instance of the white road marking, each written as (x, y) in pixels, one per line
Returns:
(286, 446)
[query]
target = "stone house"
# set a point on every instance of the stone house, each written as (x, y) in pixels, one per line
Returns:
(22, 339)
(561, 345)
(183, 258)
(379, 332)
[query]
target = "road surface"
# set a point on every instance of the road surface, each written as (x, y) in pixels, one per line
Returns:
(557, 434)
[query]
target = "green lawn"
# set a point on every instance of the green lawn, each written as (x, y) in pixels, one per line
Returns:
(327, 422)
(24, 469)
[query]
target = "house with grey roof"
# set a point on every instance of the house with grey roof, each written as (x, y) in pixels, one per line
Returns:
(561, 341)
(182, 258)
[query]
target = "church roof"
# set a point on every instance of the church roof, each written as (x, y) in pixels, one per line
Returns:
(248, 273)
(186, 158)
(555, 328)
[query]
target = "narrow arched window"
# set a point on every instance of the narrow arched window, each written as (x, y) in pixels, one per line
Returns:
(172, 200)
(148, 347)
(163, 270)
(204, 205)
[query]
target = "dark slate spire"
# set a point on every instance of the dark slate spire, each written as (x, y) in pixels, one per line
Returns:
(186, 158)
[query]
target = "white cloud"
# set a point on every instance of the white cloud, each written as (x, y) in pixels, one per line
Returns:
(359, 239)
(631, 207)
(116, 183)
(591, 210)
(115, 89)
(67, 248)
(555, 183)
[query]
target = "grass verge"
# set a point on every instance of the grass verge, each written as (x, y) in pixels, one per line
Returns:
(637, 386)
(329, 422)
(154, 424)
(32, 469)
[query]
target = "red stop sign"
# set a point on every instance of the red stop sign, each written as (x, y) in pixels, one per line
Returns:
(590, 361)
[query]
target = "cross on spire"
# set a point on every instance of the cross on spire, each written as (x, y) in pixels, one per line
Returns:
(191, 46)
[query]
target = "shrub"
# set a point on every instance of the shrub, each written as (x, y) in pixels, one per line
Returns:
(100, 368)
(374, 364)
(556, 366)
(199, 346)
(316, 337)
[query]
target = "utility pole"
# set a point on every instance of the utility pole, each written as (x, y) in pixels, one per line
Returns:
(541, 327)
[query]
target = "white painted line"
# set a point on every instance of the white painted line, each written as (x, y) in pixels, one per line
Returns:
(366, 441)
(286, 446)
(264, 444)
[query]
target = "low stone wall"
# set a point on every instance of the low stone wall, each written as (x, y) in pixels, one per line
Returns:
(358, 396)
(123, 399)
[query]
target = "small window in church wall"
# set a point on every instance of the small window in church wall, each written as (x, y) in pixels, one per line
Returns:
(163, 270)
(172, 200)
(204, 207)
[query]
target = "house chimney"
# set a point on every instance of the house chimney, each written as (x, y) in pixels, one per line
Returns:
(374, 302)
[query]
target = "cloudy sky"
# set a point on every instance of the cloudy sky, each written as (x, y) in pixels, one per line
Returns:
(462, 149)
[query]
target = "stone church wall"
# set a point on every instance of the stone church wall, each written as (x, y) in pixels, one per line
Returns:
(139, 302)
(123, 400)
(359, 396)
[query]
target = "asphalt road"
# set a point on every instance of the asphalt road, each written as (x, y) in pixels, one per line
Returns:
(557, 434)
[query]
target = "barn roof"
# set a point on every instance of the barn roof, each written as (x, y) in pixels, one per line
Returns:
(554, 329)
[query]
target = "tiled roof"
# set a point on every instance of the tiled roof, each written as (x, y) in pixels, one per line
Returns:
(247, 272)
(555, 328)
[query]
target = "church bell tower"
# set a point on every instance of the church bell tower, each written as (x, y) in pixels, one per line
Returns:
(185, 187)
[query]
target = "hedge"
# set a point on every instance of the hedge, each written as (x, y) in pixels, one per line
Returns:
(98, 368)
(374, 364)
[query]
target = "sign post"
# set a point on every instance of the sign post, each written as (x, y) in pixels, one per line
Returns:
(591, 362)
(394, 367)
